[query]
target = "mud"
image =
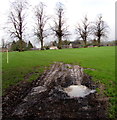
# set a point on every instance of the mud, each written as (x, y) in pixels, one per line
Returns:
(44, 98)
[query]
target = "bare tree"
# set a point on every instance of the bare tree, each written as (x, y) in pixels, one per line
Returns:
(16, 20)
(84, 31)
(41, 20)
(100, 29)
(59, 28)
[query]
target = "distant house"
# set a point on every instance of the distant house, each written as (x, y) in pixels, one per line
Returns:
(4, 49)
(1, 50)
(76, 44)
(35, 49)
(53, 48)
(67, 46)
(90, 46)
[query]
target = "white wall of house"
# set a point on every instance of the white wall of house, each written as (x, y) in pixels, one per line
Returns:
(53, 48)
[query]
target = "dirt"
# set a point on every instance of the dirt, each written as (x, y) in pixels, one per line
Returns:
(44, 99)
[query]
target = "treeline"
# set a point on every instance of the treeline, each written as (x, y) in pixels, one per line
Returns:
(15, 46)
(85, 31)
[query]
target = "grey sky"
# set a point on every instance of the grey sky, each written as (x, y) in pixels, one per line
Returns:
(75, 10)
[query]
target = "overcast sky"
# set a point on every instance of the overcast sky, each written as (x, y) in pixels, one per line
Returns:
(75, 10)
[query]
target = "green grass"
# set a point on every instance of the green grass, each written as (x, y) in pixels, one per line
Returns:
(102, 59)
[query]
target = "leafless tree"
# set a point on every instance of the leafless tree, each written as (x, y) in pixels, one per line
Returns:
(100, 29)
(83, 31)
(16, 20)
(41, 21)
(60, 29)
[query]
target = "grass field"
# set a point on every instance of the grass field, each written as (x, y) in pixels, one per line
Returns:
(30, 64)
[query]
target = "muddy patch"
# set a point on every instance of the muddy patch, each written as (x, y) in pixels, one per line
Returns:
(63, 91)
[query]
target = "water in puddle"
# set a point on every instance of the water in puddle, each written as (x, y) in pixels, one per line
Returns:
(78, 91)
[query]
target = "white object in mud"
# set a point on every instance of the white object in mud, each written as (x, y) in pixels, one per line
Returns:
(78, 91)
(38, 89)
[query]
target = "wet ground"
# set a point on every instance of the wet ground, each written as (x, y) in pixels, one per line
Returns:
(44, 98)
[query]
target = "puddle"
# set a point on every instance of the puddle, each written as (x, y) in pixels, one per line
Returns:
(78, 91)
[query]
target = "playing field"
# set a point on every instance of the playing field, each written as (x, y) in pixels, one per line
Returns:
(29, 65)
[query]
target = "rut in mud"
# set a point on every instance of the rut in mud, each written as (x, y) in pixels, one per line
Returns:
(56, 94)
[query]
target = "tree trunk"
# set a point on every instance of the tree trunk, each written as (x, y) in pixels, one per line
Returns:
(42, 48)
(60, 43)
(20, 46)
(99, 42)
(85, 42)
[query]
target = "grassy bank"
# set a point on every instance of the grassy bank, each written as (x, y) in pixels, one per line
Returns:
(30, 64)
